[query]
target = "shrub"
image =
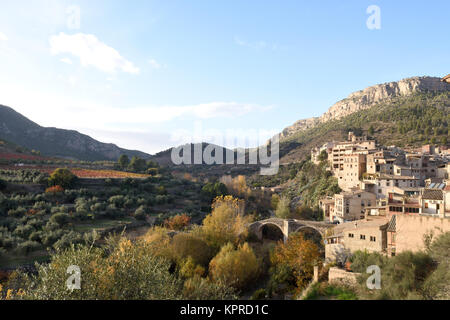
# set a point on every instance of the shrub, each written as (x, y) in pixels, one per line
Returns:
(60, 218)
(197, 288)
(140, 213)
(54, 189)
(235, 267)
(186, 245)
(62, 177)
(178, 222)
(283, 210)
(28, 246)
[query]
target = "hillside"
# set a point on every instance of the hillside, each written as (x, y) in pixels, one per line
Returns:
(370, 97)
(54, 142)
(405, 121)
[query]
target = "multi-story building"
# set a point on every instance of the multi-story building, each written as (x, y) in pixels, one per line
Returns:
(350, 205)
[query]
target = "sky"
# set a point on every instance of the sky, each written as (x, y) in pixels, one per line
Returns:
(149, 75)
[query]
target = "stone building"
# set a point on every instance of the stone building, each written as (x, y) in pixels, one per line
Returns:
(349, 206)
(346, 238)
(407, 232)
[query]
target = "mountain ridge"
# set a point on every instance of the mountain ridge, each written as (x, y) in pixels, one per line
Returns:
(55, 142)
(369, 97)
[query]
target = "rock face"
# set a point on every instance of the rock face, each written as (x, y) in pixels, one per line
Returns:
(368, 97)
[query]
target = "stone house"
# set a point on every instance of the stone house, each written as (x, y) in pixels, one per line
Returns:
(369, 234)
(407, 232)
(349, 206)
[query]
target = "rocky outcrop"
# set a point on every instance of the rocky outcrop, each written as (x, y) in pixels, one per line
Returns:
(369, 97)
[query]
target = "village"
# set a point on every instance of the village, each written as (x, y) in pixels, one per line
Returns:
(392, 199)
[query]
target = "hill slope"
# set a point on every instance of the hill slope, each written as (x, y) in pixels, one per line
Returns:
(370, 97)
(18, 129)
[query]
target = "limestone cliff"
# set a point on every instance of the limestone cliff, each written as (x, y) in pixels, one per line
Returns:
(365, 99)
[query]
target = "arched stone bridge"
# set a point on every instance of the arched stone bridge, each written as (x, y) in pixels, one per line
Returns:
(289, 226)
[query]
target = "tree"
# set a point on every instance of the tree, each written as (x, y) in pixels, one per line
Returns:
(226, 223)
(283, 208)
(62, 177)
(235, 267)
(186, 245)
(137, 164)
(371, 130)
(213, 190)
(298, 255)
(323, 156)
(123, 161)
(2, 184)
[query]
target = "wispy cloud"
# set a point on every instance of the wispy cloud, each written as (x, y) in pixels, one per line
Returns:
(3, 37)
(154, 64)
(91, 52)
(257, 45)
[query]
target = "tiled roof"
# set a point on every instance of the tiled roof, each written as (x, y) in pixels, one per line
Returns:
(392, 224)
(432, 194)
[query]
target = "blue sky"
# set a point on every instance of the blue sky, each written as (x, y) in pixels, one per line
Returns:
(146, 74)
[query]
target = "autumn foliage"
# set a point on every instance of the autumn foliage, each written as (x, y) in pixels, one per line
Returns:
(299, 255)
(54, 189)
(235, 267)
(178, 222)
(226, 223)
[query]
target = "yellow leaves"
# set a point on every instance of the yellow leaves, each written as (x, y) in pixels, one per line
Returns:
(299, 254)
(226, 223)
(237, 186)
(236, 267)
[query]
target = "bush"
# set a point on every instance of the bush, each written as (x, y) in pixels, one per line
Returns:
(235, 267)
(283, 208)
(28, 247)
(60, 219)
(197, 288)
(62, 177)
(178, 222)
(186, 245)
(140, 213)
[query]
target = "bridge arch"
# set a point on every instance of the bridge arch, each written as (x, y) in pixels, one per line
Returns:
(271, 231)
(310, 233)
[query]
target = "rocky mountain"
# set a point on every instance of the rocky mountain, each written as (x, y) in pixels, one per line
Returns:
(55, 142)
(369, 97)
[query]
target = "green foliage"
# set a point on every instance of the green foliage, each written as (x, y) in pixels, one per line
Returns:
(62, 177)
(123, 161)
(213, 190)
(283, 208)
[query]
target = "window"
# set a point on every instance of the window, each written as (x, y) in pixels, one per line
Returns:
(362, 237)
(373, 239)
(351, 235)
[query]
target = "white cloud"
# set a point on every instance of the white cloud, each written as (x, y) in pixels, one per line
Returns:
(3, 37)
(91, 52)
(154, 64)
(66, 60)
